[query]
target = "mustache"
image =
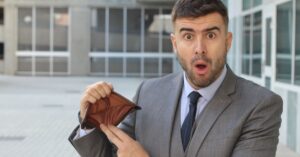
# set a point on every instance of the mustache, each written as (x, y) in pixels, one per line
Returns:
(200, 57)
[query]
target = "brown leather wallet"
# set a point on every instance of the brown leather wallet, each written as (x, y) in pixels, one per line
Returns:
(110, 110)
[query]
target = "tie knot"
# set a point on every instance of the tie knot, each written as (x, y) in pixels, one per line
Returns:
(194, 96)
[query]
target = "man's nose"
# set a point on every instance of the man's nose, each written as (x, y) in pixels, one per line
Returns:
(200, 47)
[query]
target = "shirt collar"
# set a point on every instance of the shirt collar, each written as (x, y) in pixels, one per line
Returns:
(208, 92)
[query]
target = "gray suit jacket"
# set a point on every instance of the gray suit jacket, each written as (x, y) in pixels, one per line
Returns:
(242, 120)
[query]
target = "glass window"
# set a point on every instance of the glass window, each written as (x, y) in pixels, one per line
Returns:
(246, 66)
(42, 64)
(133, 30)
(257, 47)
(166, 31)
(25, 29)
(167, 65)
(252, 47)
(256, 67)
(115, 65)
(246, 45)
(151, 66)
(97, 65)
(284, 42)
(256, 2)
(60, 29)
(257, 29)
(246, 4)
(46, 21)
(116, 30)
(98, 30)
(152, 28)
(43, 29)
(60, 64)
(133, 67)
(268, 42)
(24, 64)
(297, 68)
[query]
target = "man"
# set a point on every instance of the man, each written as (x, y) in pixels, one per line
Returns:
(206, 111)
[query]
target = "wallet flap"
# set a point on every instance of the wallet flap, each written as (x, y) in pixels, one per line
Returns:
(111, 110)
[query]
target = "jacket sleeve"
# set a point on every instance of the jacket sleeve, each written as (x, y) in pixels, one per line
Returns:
(94, 144)
(260, 133)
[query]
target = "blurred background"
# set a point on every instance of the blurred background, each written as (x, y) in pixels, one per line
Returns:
(51, 50)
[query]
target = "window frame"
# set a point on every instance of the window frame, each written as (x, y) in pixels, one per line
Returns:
(51, 54)
(251, 57)
(142, 55)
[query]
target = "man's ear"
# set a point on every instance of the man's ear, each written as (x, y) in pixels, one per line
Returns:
(173, 40)
(228, 41)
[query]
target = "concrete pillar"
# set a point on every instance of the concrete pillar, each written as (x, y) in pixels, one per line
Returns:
(10, 38)
(80, 40)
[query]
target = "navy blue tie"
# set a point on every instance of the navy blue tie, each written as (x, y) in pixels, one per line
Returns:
(189, 120)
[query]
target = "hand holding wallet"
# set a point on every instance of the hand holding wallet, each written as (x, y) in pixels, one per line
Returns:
(110, 110)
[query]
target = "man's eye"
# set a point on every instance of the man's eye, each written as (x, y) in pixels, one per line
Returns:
(188, 36)
(211, 36)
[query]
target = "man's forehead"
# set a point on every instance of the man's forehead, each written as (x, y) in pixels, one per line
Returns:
(200, 22)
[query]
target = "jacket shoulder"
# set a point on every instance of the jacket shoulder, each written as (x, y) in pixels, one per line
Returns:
(255, 92)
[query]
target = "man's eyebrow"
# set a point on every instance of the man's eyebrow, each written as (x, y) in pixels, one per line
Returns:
(205, 30)
(186, 29)
(211, 29)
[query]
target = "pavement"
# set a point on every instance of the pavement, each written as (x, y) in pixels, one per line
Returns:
(37, 114)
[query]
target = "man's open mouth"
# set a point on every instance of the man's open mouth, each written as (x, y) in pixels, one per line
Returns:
(201, 66)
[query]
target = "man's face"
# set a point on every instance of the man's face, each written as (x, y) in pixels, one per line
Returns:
(201, 46)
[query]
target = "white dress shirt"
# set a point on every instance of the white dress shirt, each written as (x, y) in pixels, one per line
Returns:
(206, 93)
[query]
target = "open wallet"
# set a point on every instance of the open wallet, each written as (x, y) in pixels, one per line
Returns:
(109, 110)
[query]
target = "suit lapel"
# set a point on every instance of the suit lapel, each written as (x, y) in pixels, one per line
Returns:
(211, 113)
(174, 88)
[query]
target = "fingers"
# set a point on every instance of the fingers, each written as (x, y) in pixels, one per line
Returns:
(115, 135)
(99, 89)
(104, 89)
(127, 147)
(93, 93)
(114, 138)
(121, 135)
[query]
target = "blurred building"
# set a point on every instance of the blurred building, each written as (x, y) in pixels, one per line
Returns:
(266, 49)
(93, 37)
(130, 38)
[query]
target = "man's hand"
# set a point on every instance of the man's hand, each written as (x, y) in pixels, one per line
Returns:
(127, 147)
(93, 93)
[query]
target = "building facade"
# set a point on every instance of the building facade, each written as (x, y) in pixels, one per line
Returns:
(130, 38)
(107, 38)
(266, 50)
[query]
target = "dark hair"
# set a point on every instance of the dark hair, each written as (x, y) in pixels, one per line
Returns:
(197, 8)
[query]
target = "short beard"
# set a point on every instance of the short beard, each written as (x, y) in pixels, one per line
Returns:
(215, 72)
